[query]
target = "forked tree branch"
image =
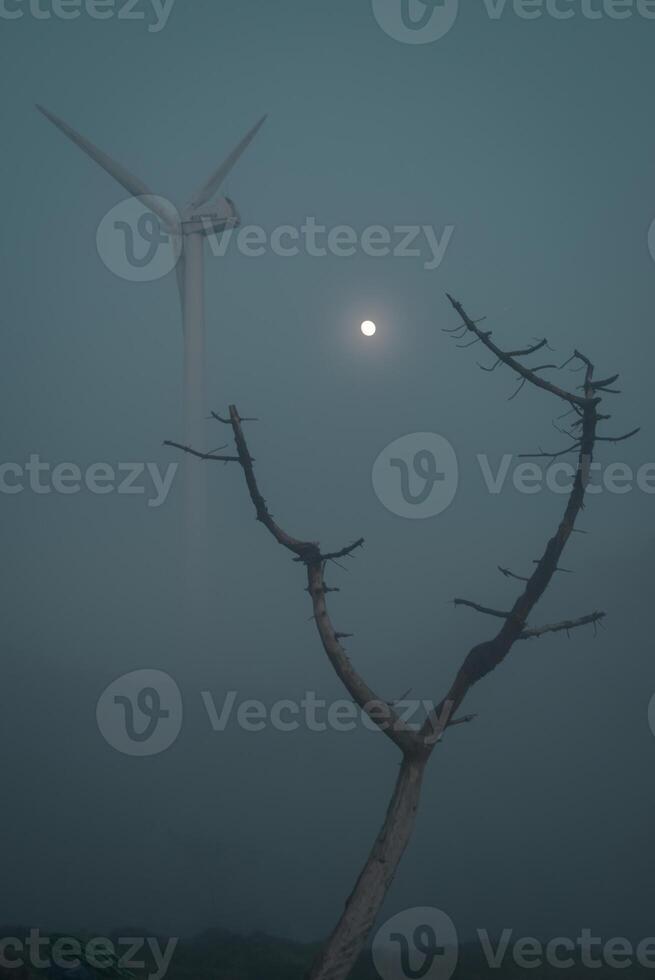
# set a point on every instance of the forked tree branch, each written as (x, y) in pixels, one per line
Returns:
(486, 656)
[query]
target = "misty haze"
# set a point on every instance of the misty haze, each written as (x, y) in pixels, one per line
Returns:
(328, 484)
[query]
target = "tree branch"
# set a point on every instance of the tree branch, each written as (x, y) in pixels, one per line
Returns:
(485, 657)
(568, 624)
(309, 553)
(506, 572)
(510, 359)
(481, 609)
(199, 455)
(305, 550)
(614, 439)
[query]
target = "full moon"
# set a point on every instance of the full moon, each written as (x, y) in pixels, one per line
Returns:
(368, 328)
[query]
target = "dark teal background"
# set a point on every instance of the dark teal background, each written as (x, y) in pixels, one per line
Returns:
(535, 139)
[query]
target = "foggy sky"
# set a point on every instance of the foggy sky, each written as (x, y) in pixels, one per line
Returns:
(534, 140)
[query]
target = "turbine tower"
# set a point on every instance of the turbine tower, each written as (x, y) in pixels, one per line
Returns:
(204, 215)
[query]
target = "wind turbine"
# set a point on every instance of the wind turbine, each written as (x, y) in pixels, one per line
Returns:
(204, 215)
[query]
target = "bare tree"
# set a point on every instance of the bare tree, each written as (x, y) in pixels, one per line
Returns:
(349, 937)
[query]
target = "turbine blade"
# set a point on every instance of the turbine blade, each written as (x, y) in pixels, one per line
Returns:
(127, 180)
(207, 191)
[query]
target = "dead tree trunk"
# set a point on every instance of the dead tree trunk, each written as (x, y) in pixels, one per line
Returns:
(348, 939)
(342, 949)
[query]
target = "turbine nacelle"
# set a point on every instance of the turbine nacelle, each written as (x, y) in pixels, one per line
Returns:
(210, 219)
